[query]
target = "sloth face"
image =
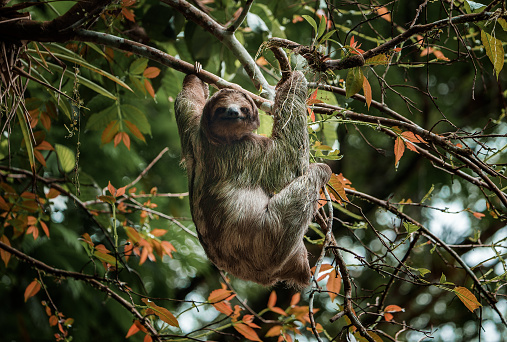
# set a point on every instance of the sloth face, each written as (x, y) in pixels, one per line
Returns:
(230, 116)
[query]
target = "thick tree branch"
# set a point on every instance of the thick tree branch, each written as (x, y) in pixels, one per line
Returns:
(60, 29)
(318, 62)
(164, 59)
(228, 39)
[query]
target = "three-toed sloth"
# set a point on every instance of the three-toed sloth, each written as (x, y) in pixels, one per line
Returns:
(252, 197)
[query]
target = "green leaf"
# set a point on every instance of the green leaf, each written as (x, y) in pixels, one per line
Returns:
(423, 271)
(410, 227)
(137, 67)
(443, 279)
(99, 121)
(322, 26)
(327, 36)
(66, 157)
(494, 50)
(75, 58)
(473, 7)
(311, 21)
(137, 117)
(84, 81)
(27, 137)
(354, 81)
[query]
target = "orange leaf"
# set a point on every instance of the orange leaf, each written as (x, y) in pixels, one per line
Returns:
(44, 228)
(151, 72)
(478, 215)
(467, 298)
(120, 191)
(247, 332)
(147, 338)
(168, 248)
(32, 289)
(126, 139)
(149, 88)
(411, 146)
(393, 308)
(133, 128)
(133, 330)
(39, 157)
(367, 91)
(34, 231)
(111, 188)
(53, 320)
(220, 295)
(388, 317)
(399, 149)
(272, 299)
(334, 284)
(413, 137)
(117, 138)
(4, 254)
(295, 299)
(440, 55)
(224, 307)
(384, 13)
(164, 314)
(53, 193)
(261, 61)
(109, 132)
(128, 14)
(278, 310)
(274, 331)
(45, 121)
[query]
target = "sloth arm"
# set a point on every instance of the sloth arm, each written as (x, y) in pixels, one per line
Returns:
(188, 109)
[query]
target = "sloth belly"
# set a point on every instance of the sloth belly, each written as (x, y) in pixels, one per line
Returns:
(238, 233)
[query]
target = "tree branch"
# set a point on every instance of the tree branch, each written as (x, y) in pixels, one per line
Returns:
(92, 280)
(228, 39)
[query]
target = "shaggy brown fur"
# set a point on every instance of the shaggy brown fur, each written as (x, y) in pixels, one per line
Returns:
(251, 197)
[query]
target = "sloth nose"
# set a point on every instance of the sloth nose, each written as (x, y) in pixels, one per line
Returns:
(232, 113)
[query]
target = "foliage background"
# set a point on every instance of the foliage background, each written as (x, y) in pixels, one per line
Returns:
(451, 95)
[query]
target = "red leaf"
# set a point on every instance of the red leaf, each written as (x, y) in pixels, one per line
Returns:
(117, 138)
(295, 299)
(133, 330)
(247, 332)
(272, 299)
(220, 295)
(109, 132)
(367, 91)
(149, 88)
(413, 137)
(120, 191)
(151, 72)
(334, 284)
(53, 193)
(393, 308)
(111, 188)
(399, 149)
(478, 215)
(224, 307)
(44, 228)
(384, 13)
(32, 289)
(133, 128)
(128, 14)
(126, 140)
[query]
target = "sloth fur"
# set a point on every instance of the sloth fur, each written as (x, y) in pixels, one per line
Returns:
(252, 197)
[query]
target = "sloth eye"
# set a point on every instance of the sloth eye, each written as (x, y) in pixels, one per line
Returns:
(244, 110)
(220, 110)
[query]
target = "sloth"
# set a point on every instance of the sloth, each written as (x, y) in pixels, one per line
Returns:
(251, 197)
